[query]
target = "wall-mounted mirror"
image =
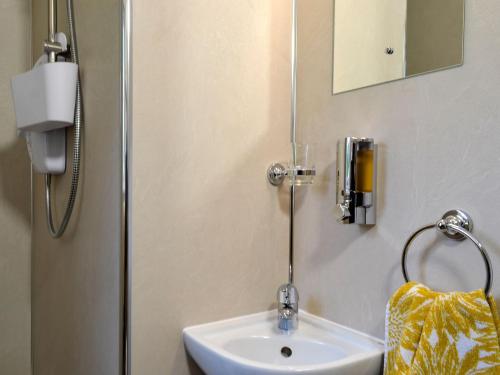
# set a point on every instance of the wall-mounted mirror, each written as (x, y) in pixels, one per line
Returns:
(386, 40)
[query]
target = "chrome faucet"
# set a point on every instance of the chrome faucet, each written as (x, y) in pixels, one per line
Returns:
(288, 307)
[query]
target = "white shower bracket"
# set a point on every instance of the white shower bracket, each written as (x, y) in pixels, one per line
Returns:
(44, 102)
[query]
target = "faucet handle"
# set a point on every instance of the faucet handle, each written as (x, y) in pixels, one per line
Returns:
(344, 213)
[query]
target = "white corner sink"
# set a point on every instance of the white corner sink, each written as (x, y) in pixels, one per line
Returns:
(253, 344)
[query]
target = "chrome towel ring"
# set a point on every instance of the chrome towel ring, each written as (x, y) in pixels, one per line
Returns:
(457, 225)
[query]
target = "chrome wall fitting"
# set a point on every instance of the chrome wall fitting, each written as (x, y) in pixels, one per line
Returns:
(277, 173)
(458, 218)
(356, 180)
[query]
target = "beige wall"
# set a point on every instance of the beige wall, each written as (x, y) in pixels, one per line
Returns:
(15, 21)
(77, 279)
(438, 139)
(211, 112)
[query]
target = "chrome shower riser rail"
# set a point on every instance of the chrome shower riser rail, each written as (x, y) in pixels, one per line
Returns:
(52, 27)
(57, 232)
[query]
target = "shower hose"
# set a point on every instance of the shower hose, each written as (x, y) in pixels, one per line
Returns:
(57, 232)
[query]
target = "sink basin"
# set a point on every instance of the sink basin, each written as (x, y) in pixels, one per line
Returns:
(252, 344)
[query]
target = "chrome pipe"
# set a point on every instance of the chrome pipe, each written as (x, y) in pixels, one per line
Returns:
(126, 124)
(52, 27)
(291, 239)
(293, 127)
(293, 134)
(288, 298)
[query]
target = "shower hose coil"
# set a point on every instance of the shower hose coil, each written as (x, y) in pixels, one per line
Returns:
(57, 232)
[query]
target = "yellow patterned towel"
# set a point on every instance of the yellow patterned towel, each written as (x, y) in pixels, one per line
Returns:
(435, 333)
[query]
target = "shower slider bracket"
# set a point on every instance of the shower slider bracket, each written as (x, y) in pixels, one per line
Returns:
(54, 47)
(59, 46)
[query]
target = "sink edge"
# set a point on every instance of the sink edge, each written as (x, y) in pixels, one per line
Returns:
(198, 346)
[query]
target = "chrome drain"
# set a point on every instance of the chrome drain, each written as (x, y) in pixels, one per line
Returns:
(286, 352)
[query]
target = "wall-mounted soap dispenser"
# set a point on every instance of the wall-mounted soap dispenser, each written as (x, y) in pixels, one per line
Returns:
(356, 180)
